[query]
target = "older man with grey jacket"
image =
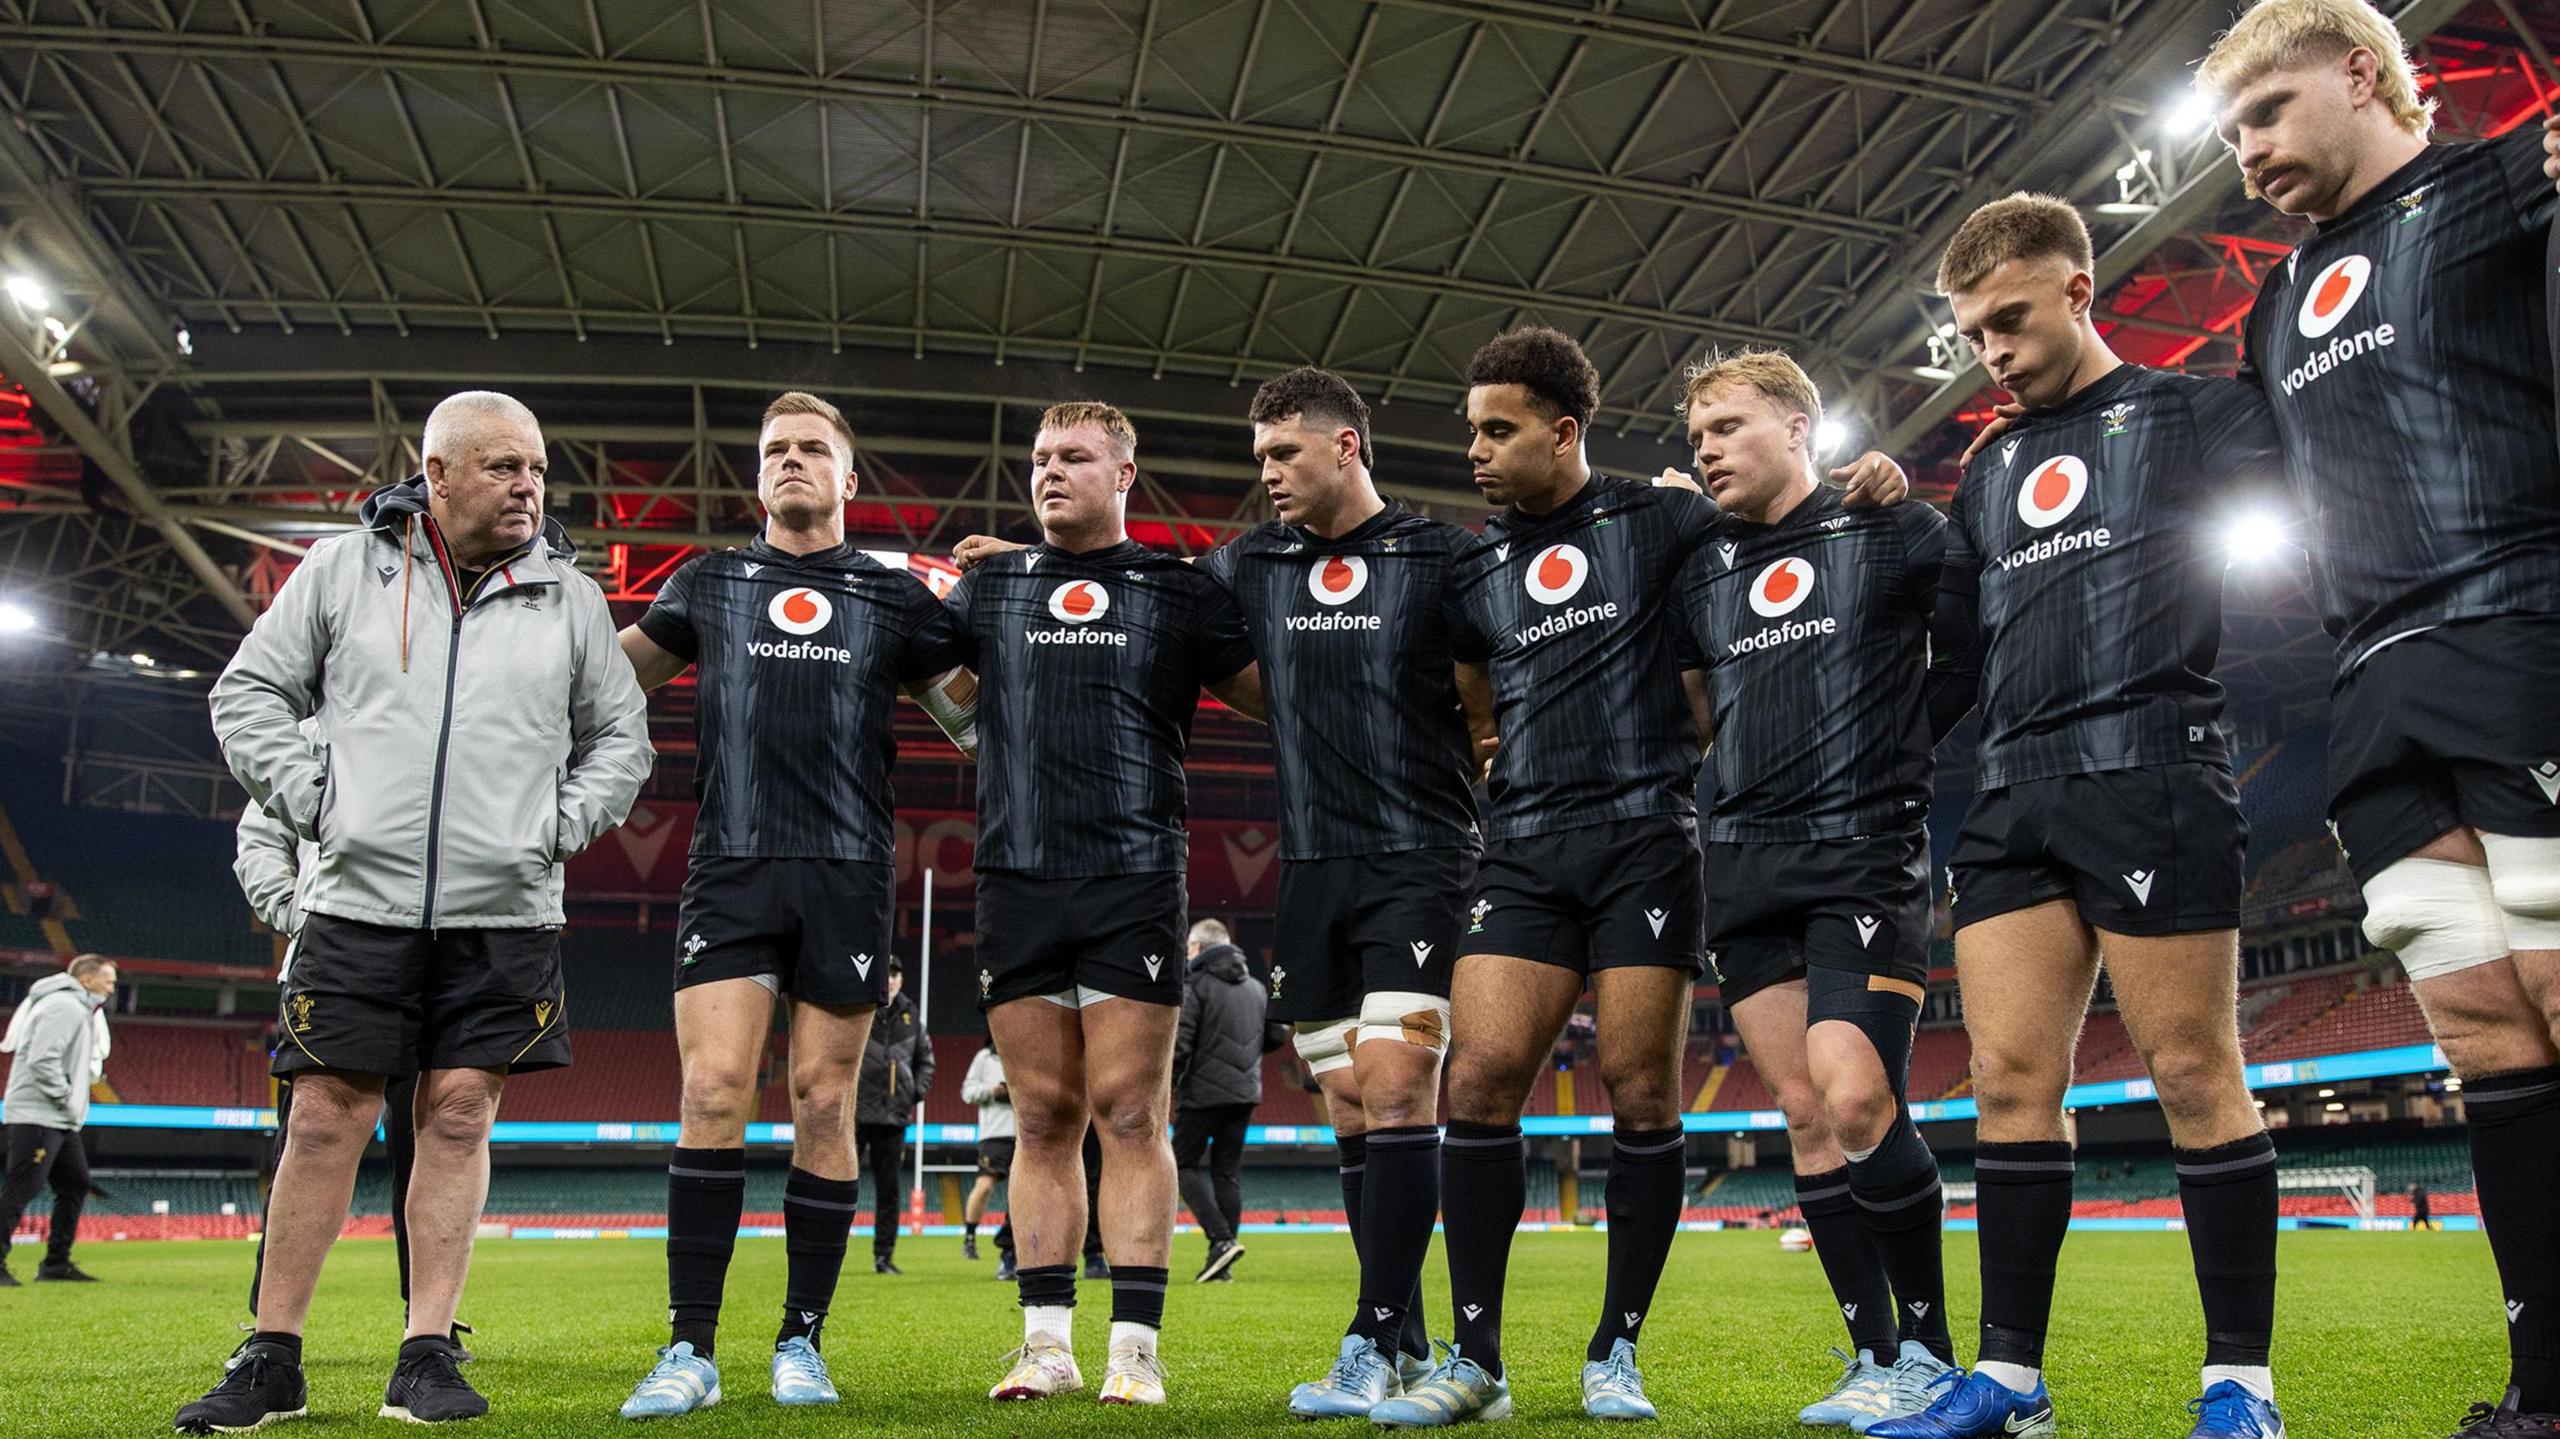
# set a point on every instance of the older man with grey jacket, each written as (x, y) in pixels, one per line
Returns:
(59, 1038)
(481, 726)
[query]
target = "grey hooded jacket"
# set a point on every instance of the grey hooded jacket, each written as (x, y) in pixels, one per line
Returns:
(474, 742)
(1220, 1040)
(49, 1076)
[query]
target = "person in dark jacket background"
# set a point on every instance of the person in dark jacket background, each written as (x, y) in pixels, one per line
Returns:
(897, 1069)
(1217, 1081)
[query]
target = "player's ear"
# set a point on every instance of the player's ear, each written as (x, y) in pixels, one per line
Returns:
(2082, 288)
(1346, 447)
(1568, 434)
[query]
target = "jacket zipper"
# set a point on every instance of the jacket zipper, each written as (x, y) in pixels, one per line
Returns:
(444, 739)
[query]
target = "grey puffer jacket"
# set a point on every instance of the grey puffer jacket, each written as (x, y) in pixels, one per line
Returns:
(474, 742)
(1222, 1036)
(897, 1065)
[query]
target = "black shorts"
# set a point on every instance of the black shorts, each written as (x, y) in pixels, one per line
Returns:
(374, 999)
(1857, 906)
(819, 927)
(1389, 923)
(2147, 851)
(995, 1157)
(2443, 729)
(1594, 897)
(1091, 938)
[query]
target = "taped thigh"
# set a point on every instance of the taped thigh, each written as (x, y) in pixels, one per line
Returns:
(2440, 917)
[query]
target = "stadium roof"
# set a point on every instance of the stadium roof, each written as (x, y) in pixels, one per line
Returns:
(268, 235)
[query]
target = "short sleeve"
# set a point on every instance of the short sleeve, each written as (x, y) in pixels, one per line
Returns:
(1924, 555)
(1693, 517)
(1221, 644)
(2529, 191)
(1220, 564)
(1467, 643)
(668, 622)
(955, 605)
(2238, 452)
(933, 643)
(1691, 614)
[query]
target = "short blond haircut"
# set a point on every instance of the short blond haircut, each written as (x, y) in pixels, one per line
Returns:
(801, 402)
(2022, 226)
(1772, 373)
(2281, 34)
(1094, 412)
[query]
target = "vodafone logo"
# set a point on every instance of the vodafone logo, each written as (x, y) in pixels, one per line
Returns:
(2052, 491)
(1079, 602)
(2333, 292)
(1557, 573)
(1781, 588)
(800, 612)
(1339, 580)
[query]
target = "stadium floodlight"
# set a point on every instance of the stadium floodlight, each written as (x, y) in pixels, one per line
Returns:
(2255, 539)
(16, 619)
(29, 294)
(2188, 115)
(1829, 436)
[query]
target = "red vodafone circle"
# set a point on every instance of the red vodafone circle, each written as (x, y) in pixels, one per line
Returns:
(800, 611)
(1557, 573)
(2053, 489)
(1338, 579)
(2332, 293)
(1079, 602)
(1782, 587)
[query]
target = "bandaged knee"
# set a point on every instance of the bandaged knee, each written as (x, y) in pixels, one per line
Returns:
(2440, 917)
(1882, 1008)
(1421, 1020)
(2524, 876)
(1326, 1046)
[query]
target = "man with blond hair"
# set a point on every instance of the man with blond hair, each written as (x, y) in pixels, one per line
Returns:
(2404, 349)
(1091, 652)
(2080, 599)
(1804, 632)
(801, 644)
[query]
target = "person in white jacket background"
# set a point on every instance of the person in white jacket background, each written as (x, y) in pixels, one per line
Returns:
(59, 1038)
(480, 726)
(984, 1087)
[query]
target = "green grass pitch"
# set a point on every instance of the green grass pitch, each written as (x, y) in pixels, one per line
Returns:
(2378, 1335)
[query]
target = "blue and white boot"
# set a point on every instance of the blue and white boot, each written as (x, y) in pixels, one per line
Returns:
(681, 1382)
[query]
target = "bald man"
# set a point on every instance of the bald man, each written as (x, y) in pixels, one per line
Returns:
(482, 727)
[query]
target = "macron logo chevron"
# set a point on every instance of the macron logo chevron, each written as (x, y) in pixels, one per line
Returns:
(1421, 952)
(2515, 1310)
(1633, 1317)
(1868, 924)
(1919, 1308)
(1153, 963)
(2009, 452)
(1728, 549)
(1474, 1310)
(1502, 552)
(2140, 883)
(862, 965)
(1655, 917)
(1030, 560)
(752, 569)
(2547, 775)
(1379, 1314)
(1849, 1312)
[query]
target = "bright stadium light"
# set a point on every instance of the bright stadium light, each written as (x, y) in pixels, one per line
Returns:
(16, 619)
(2255, 539)
(2189, 114)
(30, 295)
(1829, 436)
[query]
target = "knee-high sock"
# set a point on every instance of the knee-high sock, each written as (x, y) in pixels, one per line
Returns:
(2023, 1193)
(1484, 1188)
(1896, 1187)
(706, 1192)
(2229, 1195)
(2515, 1158)
(1398, 1204)
(817, 1215)
(1648, 1173)
(1849, 1260)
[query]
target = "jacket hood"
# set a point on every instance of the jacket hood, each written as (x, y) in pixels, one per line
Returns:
(1221, 961)
(392, 505)
(56, 984)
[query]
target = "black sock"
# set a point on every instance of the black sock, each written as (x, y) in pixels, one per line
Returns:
(817, 1214)
(1396, 1237)
(1353, 1152)
(2228, 1193)
(1648, 1173)
(291, 1344)
(1046, 1285)
(1137, 1295)
(2023, 1194)
(423, 1343)
(1484, 1189)
(1898, 1196)
(969, 1227)
(1849, 1260)
(2515, 1160)
(706, 1192)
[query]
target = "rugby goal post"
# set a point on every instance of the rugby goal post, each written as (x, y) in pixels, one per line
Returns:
(2356, 1182)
